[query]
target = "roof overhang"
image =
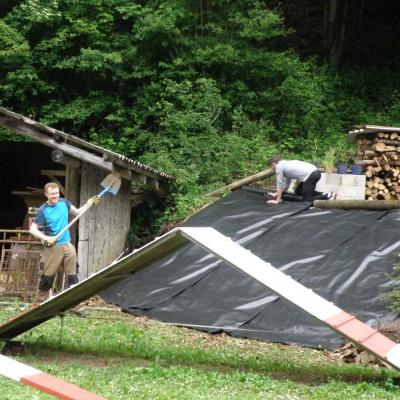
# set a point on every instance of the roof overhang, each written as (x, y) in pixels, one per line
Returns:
(78, 148)
(363, 129)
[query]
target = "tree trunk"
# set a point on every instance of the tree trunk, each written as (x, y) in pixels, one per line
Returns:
(358, 204)
(244, 181)
(336, 15)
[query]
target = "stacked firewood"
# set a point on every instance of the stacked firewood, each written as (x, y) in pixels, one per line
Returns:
(380, 156)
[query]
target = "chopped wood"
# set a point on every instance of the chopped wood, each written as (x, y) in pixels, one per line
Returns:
(370, 153)
(386, 167)
(386, 141)
(381, 162)
(374, 162)
(379, 147)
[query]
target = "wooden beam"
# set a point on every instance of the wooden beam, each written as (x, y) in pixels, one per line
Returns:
(243, 182)
(34, 133)
(123, 172)
(153, 183)
(358, 204)
(59, 157)
(54, 172)
(140, 178)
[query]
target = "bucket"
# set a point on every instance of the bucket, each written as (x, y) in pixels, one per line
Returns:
(341, 168)
(356, 169)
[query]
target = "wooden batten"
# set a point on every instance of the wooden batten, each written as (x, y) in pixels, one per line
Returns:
(52, 175)
(53, 172)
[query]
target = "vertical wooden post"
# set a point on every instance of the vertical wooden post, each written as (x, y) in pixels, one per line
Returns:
(72, 186)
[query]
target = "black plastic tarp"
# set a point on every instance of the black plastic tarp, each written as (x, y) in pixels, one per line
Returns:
(344, 256)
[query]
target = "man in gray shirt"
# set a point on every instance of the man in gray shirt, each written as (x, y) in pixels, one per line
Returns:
(305, 173)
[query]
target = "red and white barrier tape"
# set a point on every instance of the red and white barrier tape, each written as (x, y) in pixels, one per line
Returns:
(46, 383)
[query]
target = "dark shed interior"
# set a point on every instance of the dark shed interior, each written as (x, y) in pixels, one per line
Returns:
(20, 170)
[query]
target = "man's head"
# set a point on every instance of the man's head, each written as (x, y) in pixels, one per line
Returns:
(52, 192)
(273, 161)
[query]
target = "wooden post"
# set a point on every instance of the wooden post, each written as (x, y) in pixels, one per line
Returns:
(72, 189)
(358, 204)
(244, 181)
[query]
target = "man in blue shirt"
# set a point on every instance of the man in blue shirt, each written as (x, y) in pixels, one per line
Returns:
(52, 218)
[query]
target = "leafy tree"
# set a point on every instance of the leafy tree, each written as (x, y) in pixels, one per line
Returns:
(200, 89)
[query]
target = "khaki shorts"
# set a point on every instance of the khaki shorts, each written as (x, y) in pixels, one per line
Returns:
(59, 257)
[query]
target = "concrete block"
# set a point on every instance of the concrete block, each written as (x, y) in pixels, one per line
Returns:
(322, 180)
(333, 179)
(326, 188)
(346, 186)
(360, 180)
(351, 193)
(347, 180)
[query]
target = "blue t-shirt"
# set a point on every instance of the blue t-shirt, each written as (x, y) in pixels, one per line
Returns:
(51, 219)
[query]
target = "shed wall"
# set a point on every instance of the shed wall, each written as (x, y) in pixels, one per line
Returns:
(104, 228)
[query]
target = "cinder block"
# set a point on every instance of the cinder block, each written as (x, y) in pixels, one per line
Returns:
(347, 180)
(322, 180)
(346, 186)
(333, 179)
(360, 180)
(351, 193)
(326, 188)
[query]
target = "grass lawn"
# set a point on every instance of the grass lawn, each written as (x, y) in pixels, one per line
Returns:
(119, 356)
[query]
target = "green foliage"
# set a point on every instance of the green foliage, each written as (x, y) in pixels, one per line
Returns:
(9, 136)
(204, 91)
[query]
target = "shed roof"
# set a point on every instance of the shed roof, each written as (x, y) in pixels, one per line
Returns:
(362, 129)
(74, 146)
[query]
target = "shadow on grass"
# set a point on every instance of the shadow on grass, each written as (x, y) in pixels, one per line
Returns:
(310, 376)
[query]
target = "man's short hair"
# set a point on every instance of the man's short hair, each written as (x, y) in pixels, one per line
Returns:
(274, 160)
(50, 185)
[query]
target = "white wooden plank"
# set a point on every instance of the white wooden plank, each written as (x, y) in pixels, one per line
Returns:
(14, 369)
(265, 273)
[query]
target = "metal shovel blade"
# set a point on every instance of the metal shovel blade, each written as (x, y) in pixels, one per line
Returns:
(111, 183)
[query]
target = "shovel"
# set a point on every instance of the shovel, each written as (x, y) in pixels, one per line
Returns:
(111, 183)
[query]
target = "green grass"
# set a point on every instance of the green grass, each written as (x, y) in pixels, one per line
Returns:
(120, 356)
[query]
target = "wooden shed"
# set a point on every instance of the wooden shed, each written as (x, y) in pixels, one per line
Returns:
(79, 167)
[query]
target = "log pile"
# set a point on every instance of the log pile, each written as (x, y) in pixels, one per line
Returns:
(380, 157)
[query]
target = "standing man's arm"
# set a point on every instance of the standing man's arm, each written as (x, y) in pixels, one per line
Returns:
(93, 200)
(75, 211)
(34, 231)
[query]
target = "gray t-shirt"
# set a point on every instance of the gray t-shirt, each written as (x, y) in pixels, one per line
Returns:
(292, 169)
